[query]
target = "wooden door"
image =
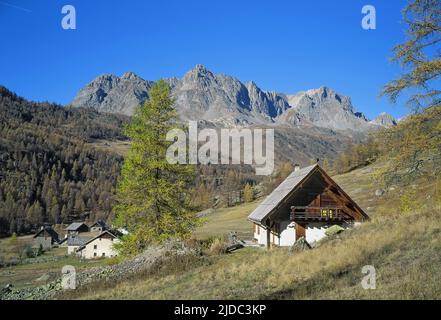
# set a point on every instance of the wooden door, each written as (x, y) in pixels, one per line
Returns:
(300, 231)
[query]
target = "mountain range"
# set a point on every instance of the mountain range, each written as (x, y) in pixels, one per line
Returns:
(57, 161)
(224, 100)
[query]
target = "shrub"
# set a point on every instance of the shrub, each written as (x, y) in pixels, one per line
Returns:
(13, 239)
(408, 202)
(28, 252)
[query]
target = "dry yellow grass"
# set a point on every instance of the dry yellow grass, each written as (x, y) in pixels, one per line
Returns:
(404, 249)
(11, 249)
(223, 220)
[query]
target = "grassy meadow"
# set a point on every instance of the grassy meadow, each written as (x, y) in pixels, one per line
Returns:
(405, 251)
(404, 248)
(223, 220)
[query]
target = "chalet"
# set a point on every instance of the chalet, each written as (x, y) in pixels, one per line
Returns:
(98, 226)
(99, 246)
(91, 242)
(75, 241)
(47, 237)
(305, 204)
(76, 228)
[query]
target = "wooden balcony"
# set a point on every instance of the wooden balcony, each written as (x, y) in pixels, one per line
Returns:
(317, 214)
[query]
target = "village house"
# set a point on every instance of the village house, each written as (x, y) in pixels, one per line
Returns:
(77, 233)
(91, 242)
(45, 238)
(100, 246)
(305, 204)
(76, 228)
(81, 240)
(98, 226)
(74, 242)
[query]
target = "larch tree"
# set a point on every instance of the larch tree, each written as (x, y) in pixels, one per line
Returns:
(413, 147)
(152, 194)
(248, 193)
(419, 56)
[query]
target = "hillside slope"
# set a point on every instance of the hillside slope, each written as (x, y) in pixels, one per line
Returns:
(48, 170)
(403, 248)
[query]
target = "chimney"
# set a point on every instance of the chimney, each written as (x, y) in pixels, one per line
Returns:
(296, 167)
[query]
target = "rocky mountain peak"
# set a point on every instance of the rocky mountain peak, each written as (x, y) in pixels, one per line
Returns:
(203, 95)
(129, 75)
(106, 77)
(326, 93)
(322, 91)
(110, 93)
(200, 68)
(252, 88)
(198, 71)
(384, 119)
(251, 85)
(199, 76)
(324, 107)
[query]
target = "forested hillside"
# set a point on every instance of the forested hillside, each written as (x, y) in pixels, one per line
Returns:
(48, 170)
(412, 149)
(52, 170)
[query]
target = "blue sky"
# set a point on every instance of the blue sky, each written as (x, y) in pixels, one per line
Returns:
(286, 46)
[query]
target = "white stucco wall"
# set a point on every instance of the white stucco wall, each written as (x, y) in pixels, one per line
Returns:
(71, 249)
(287, 234)
(285, 238)
(260, 235)
(103, 245)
